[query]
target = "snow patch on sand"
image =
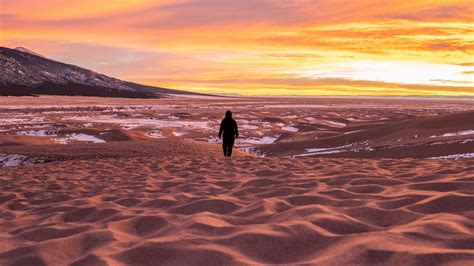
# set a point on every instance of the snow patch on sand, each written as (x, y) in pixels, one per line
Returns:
(259, 141)
(459, 133)
(130, 123)
(154, 134)
(79, 137)
(10, 160)
(85, 137)
(455, 156)
(178, 134)
(339, 124)
(290, 129)
(253, 150)
(246, 126)
(454, 134)
(129, 126)
(354, 131)
(325, 149)
(318, 151)
(38, 133)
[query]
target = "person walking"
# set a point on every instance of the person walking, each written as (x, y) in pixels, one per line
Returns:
(229, 132)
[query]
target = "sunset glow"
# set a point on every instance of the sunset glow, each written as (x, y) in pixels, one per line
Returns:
(258, 47)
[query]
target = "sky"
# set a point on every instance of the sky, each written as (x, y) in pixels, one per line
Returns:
(258, 47)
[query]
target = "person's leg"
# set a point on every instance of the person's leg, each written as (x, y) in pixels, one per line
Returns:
(224, 148)
(231, 145)
(228, 149)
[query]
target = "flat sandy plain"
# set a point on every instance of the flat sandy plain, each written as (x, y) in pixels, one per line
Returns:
(94, 181)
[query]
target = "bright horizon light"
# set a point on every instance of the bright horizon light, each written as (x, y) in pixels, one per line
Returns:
(403, 72)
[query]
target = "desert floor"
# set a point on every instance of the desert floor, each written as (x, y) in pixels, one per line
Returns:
(89, 181)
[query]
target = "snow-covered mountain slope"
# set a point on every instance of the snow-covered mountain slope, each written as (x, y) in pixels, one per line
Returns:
(24, 72)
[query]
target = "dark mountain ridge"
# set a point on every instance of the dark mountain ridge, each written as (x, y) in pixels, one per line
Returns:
(26, 73)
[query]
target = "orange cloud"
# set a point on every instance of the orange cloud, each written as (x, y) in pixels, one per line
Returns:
(194, 44)
(60, 10)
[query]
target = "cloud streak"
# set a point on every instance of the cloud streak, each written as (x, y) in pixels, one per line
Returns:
(193, 44)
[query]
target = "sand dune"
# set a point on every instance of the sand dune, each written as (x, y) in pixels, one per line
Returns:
(84, 181)
(418, 137)
(184, 204)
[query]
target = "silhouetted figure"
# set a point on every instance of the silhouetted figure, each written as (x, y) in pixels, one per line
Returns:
(231, 132)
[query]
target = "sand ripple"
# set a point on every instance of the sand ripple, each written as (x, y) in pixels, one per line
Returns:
(211, 211)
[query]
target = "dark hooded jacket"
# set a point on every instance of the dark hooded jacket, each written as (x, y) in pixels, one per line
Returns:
(228, 127)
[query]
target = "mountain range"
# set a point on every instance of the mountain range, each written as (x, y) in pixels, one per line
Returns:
(26, 73)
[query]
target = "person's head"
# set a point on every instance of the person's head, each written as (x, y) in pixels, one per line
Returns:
(228, 114)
